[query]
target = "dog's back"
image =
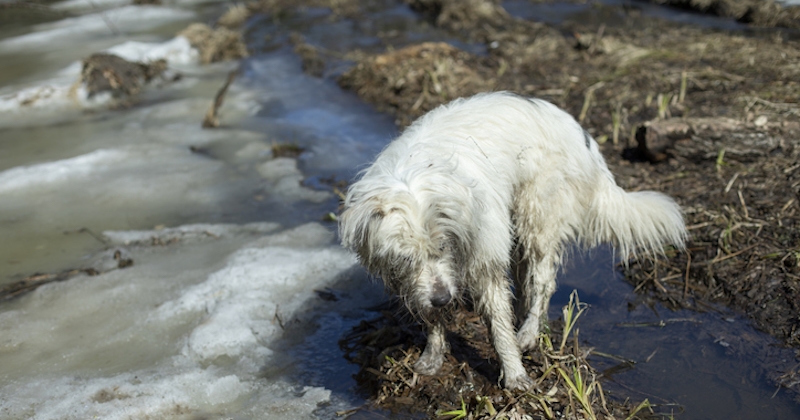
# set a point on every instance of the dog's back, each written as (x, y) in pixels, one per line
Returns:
(527, 155)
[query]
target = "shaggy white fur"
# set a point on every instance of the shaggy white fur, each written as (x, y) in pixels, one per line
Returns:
(487, 185)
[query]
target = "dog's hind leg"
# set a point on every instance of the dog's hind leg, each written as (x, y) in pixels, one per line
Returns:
(537, 289)
(542, 218)
(494, 303)
(433, 356)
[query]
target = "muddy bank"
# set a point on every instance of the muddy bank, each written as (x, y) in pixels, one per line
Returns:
(709, 117)
(467, 385)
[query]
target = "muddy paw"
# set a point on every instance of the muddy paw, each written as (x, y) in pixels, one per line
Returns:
(528, 340)
(519, 383)
(428, 365)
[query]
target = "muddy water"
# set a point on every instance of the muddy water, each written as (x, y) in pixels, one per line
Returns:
(699, 365)
(696, 366)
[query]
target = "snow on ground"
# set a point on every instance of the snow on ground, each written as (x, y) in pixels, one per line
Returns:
(64, 96)
(122, 20)
(194, 328)
(169, 337)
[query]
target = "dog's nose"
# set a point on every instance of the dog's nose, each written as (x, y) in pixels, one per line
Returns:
(441, 296)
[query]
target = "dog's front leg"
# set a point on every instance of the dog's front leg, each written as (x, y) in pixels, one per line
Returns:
(495, 305)
(433, 356)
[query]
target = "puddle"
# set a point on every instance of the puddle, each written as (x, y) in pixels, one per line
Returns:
(699, 365)
(96, 345)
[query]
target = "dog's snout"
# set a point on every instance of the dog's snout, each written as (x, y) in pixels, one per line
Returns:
(441, 295)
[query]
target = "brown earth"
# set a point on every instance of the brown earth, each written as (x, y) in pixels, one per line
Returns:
(467, 384)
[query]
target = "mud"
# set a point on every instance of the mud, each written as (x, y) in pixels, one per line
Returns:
(110, 73)
(467, 384)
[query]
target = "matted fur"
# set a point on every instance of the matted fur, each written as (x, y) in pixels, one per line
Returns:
(487, 185)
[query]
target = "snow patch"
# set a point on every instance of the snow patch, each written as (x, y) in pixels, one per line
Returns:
(226, 321)
(62, 33)
(284, 178)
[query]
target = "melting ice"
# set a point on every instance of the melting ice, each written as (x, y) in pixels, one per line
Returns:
(226, 255)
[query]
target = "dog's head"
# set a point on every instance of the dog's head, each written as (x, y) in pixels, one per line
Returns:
(418, 249)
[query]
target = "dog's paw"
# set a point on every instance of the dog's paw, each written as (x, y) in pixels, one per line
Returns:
(519, 383)
(527, 339)
(428, 364)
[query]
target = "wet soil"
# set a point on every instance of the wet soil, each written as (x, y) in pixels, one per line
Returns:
(467, 384)
(707, 116)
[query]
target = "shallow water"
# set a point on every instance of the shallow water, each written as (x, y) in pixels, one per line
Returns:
(228, 323)
(699, 365)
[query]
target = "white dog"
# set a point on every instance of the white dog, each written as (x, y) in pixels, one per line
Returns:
(484, 186)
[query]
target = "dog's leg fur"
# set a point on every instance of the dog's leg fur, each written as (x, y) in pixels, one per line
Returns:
(494, 303)
(538, 288)
(542, 227)
(433, 356)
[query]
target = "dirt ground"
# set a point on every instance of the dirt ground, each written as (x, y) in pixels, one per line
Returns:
(709, 117)
(566, 385)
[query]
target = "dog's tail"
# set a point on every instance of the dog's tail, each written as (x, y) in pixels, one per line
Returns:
(635, 221)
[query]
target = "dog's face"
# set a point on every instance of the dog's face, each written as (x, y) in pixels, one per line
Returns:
(411, 249)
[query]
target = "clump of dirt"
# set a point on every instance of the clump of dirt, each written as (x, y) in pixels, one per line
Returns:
(235, 16)
(215, 45)
(411, 81)
(467, 384)
(312, 62)
(104, 72)
(460, 14)
(289, 150)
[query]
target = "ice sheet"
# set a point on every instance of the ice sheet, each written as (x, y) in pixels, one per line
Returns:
(62, 33)
(167, 342)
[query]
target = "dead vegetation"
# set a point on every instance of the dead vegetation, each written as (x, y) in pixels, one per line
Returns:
(411, 81)
(214, 45)
(466, 386)
(115, 259)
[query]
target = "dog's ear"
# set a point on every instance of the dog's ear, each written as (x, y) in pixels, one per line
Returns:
(357, 221)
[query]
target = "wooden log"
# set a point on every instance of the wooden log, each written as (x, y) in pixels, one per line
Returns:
(701, 139)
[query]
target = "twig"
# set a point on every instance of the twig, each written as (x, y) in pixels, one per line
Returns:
(686, 277)
(729, 256)
(744, 205)
(730, 183)
(113, 28)
(587, 100)
(210, 120)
